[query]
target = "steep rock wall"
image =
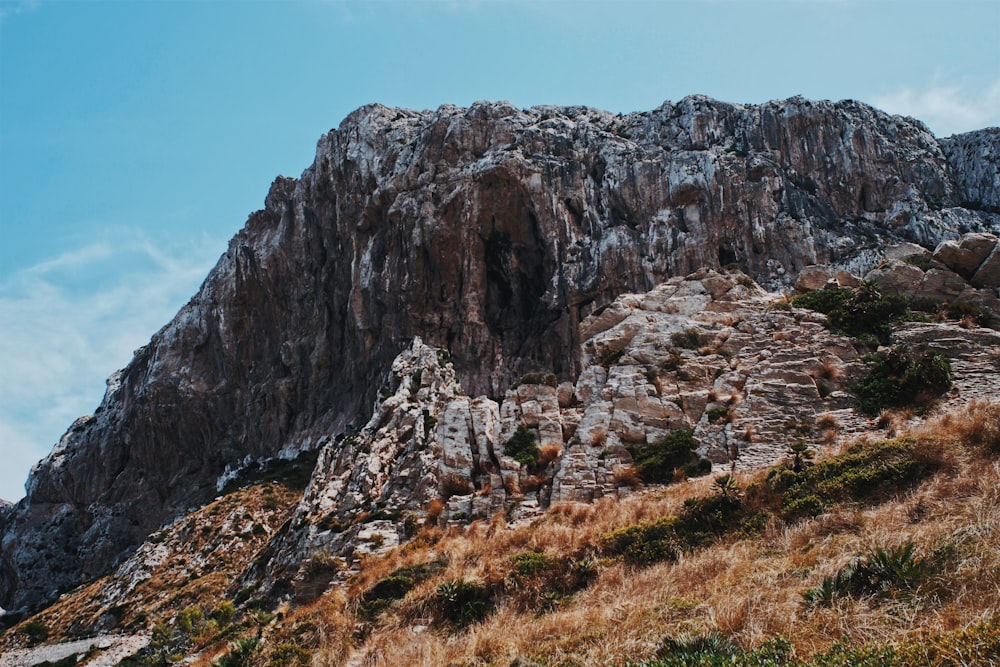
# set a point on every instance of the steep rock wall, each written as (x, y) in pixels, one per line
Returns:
(490, 232)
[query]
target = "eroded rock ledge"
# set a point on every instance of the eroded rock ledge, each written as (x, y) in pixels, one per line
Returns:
(711, 353)
(491, 232)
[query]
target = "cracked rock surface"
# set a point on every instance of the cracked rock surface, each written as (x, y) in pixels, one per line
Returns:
(491, 232)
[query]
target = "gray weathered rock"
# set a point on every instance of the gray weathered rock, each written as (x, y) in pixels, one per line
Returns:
(895, 277)
(965, 255)
(903, 251)
(815, 277)
(975, 168)
(988, 273)
(491, 232)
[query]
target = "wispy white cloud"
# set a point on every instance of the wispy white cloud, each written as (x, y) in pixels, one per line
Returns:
(10, 8)
(946, 108)
(69, 322)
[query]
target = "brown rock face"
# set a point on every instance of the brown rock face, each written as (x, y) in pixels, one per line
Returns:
(490, 232)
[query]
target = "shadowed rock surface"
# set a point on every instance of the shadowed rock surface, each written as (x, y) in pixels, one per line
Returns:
(490, 232)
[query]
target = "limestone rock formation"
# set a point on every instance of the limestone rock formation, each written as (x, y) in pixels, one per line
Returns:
(974, 168)
(490, 232)
(710, 352)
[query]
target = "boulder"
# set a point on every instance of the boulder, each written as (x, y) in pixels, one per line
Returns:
(897, 278)
(965, 255)
(988, 273)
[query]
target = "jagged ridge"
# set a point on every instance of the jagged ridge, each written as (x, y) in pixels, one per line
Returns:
(489, 231)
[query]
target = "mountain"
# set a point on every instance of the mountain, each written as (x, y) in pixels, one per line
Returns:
(429, 256)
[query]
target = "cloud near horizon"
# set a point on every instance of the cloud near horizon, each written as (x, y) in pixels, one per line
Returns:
(946, 108)
(70, 322)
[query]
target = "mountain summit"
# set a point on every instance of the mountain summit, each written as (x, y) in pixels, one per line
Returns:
(487, 236)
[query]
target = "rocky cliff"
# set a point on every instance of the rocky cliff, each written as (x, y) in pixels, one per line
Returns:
(491, 233)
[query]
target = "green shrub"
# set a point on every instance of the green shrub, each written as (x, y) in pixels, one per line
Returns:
(963, 309)
(240, 653)
(463, 602)
(879, 573)
(859, 313)
(717, 650)
(823, 300)
(644, 543)
(394, 587)
(799, 455)
(657, 462)
(864, 471)
(522, 448)
(922, 262)
(690, 339)
(673, 362)
(902, 378)
(224, 614)
(189, 619)
(36, 631)
(607, 356)
(531, 563)
(716, 415)
(289, 655)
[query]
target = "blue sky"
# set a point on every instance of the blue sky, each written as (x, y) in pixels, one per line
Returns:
(135, 137)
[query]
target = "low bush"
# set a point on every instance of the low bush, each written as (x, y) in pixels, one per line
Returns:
(531, 563)
(962, 310)
(978, 644)
(394, 587)
(902, 378)
(859, 313)
(879, 573)
(240, 654)
(702, 520)
(522, 448)
(863, 472)
(717, 650)
(656, 462)
(36, 631)
(608, 356)
(690, 339)
(454, 484)
(287, 654)
(717, 415)
(644, 543)
(462, 602)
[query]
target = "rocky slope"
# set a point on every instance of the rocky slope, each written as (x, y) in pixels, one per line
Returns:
(711, 352)
(488, 232)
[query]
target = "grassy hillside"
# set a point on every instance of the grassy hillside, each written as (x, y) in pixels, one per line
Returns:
(886, 552)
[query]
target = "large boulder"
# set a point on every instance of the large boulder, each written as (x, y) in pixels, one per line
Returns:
(965, 255)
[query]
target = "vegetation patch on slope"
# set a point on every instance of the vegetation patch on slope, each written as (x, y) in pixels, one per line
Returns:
(894, 560)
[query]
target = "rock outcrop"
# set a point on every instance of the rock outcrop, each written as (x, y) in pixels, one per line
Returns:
(709, 353)
(974, 168)
(490, 232)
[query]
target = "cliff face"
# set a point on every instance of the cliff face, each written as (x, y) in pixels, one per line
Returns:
(974, 168)
(490, 232)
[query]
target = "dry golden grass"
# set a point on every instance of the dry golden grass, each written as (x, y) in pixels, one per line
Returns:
(627, 476)
(202, 565)
(548, 454)
(750, 589)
